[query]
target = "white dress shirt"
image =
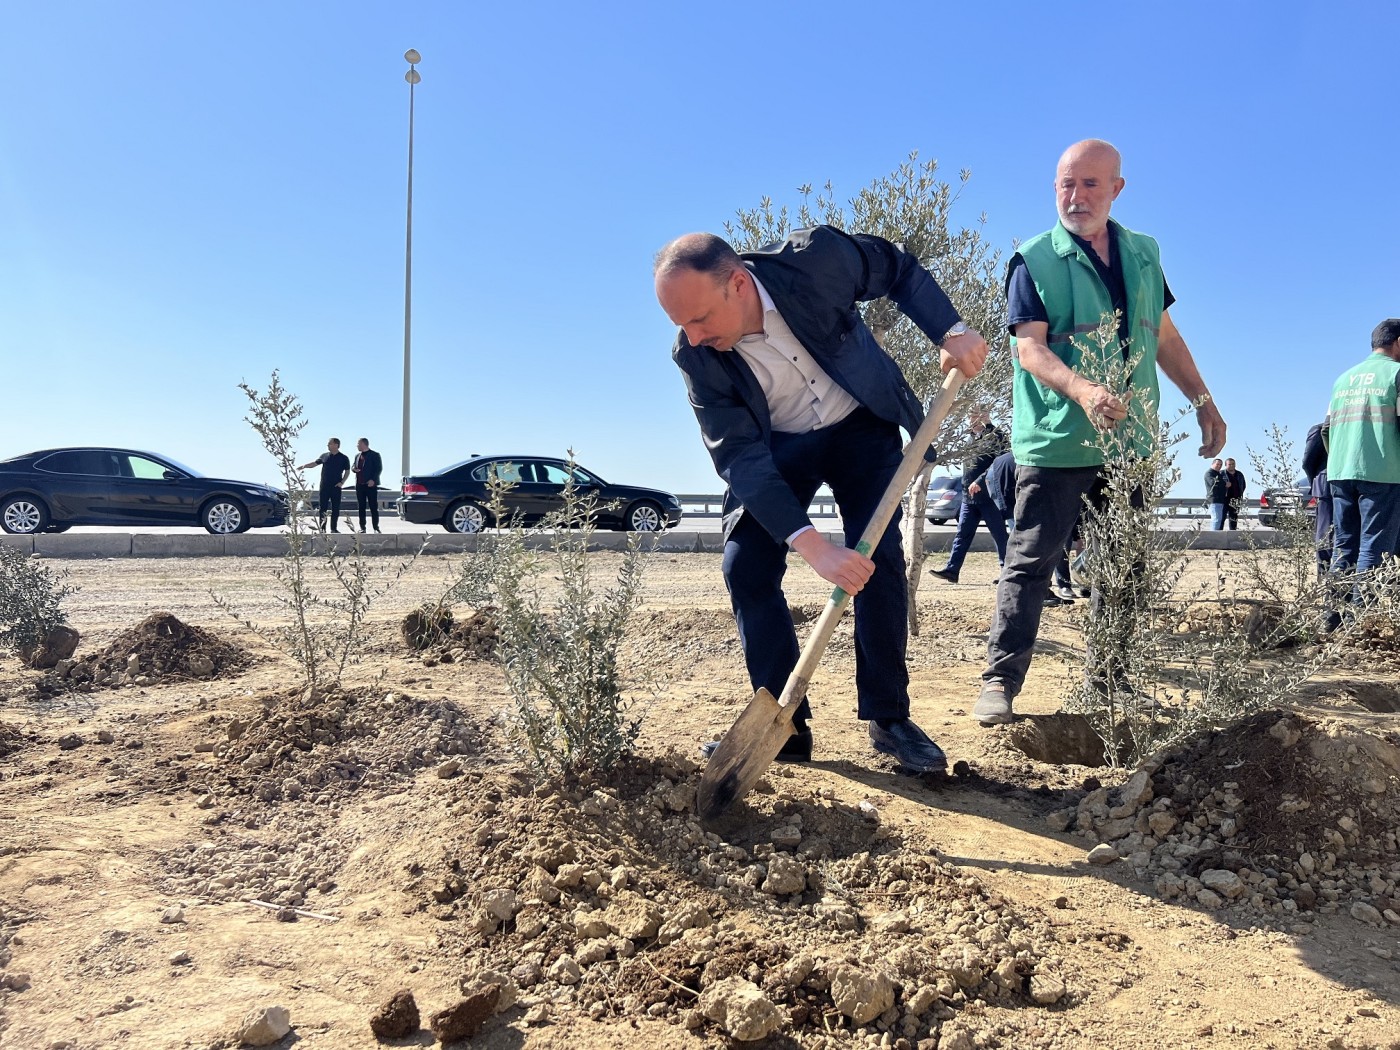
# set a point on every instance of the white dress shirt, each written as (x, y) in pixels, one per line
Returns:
(801, 396)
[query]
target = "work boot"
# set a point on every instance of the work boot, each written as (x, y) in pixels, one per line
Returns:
(909, 744)
(993, 707)
(945, 573)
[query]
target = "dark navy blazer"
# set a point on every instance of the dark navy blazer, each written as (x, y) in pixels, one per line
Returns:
(816, 279)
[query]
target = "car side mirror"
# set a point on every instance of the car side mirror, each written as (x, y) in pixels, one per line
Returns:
(171, 475)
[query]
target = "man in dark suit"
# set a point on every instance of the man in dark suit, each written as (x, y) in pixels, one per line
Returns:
(792, 391)
(368, 467)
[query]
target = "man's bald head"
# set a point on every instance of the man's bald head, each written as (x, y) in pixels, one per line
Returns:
(701, 252)
(1093, 148)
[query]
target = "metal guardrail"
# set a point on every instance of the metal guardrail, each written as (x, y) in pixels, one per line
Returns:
(704, 505)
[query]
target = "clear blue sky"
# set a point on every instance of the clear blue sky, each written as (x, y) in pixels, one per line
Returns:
(193, 194)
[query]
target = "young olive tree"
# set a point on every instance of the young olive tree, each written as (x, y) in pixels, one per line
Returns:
(558, 645)
(1154, 672)
(326, 631)
(31, 602)
(913, 207)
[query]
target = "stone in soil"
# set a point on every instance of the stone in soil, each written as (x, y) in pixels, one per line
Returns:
(463, 1019)
(741, 1009)
(396, 1018)
(264, 1026)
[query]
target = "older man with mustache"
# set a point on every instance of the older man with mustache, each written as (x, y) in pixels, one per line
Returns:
(1060, 287)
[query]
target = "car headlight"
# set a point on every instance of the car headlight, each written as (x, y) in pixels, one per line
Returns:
(675, 502)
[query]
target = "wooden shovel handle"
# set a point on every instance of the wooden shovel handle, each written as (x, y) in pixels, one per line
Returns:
(796, 687)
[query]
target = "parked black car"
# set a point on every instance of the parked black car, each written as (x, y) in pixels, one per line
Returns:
(458, 497)
(1276, 502)
(945, 497)
(52, 490)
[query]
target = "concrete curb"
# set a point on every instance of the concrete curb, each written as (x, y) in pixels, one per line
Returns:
(168, 545)
(253, 545)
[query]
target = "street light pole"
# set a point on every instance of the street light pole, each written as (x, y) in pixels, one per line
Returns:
(413, 58)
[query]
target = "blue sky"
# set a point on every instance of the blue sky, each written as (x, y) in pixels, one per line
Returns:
(193, 194)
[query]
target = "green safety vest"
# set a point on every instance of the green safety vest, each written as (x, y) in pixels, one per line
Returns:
(1047, 428)
(1363, 443)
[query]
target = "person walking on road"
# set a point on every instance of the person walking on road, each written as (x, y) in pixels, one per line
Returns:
(988, 442)
(335, 468)
(369, 465)
(1061, 285)
(1217, 494)
(791, 390)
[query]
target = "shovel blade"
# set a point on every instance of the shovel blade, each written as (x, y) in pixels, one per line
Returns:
(745, 752)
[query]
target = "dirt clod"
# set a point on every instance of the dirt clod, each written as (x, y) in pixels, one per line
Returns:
(464, 1018)
(396, 1018)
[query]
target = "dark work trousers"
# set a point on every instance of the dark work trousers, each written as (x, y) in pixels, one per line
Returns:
(976, 509)
(1048, 503)
(367, 499)
(1232, 514)
(856, 457)
(330, 503)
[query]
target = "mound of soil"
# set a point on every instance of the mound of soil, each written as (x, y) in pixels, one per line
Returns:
(445, 639)
(159, 647)
(796, 914)
(1278, 813)
(12, 739)
(320, 746)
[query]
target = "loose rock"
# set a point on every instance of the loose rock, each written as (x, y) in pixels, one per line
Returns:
(396, 1018)
(464, 1018)
(264, 1026)
(741, 1009)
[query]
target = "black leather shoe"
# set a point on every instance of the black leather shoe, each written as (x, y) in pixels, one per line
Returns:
(797, 748)
(944, 573)
(909, 745)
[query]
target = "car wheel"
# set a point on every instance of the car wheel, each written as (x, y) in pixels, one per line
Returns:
(465, 517)
(645, 517)
(223, 517)
(940, 521)
(58, 528)
(23, 515)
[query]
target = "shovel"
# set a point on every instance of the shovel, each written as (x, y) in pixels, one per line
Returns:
(758, 734)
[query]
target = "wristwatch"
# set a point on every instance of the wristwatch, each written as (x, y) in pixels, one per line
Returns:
(958, 329)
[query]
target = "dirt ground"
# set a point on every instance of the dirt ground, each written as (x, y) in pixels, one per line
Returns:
(398, 845)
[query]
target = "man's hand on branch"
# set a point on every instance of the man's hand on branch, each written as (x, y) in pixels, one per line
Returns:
(837, 565)
(1102, 407)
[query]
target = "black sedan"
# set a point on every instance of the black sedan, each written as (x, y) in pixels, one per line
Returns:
(50, 491)
(458, 497)
(1275, 503)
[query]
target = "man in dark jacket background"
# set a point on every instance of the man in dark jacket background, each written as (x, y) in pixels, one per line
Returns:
(791, 391)
(1234, 493)
(1217, 494)
(988, 442)
(368, 467)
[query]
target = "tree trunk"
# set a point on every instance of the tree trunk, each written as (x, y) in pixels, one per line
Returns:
(913, 529)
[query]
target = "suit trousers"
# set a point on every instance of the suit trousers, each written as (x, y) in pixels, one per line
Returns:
(367, 498)
(976, 509)
(330, 504)
(856, 458)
